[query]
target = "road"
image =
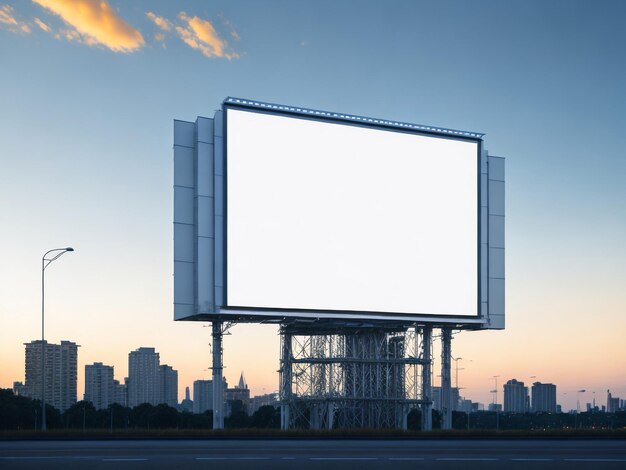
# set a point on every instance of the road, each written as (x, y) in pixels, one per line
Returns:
(316, 454)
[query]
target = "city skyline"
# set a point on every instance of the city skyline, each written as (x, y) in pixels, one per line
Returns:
(516, 397)
(86, 162)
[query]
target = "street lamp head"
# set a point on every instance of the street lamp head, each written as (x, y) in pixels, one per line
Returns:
(69, 248)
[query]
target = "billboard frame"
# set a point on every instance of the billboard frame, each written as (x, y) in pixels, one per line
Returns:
(220, 308)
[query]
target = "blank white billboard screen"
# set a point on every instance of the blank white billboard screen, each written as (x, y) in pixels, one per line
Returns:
(324, 216)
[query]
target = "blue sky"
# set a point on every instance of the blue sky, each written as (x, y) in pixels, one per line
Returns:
(86, 130)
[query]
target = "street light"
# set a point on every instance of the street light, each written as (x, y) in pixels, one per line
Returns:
(456, 367)
(495, 377)
(578, 392)
(45, 262)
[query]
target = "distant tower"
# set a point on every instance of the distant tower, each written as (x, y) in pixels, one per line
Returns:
(242, 382)
(238, 396)
(515, 397)
(186, 404)
(202, 395)
(120, 395)
(143, 377)
(168, 385)
(99, 385)
(612, 404)
(544, 397)
(61, 370)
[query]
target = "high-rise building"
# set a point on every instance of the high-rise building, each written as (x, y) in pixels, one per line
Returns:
(120, 395)
(494, 407)
(202, 396)
(20, 389)
(612, 403)
(186, 404)
(515, 397)
(544, 397)
(61, 372)
(436, 397)
(269, 399)
(168, 385)
(240, 393)
(99, 385)
(143, 377)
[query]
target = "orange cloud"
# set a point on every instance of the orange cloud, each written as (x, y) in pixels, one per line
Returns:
(7, 17)
(94, 22)
(201, 35)
(42, 25)
(233, 34)
(161, 22)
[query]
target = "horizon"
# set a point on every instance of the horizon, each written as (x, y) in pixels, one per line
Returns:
(87, 118)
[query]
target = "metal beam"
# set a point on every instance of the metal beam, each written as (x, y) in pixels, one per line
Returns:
(285, 380)
(218, 374)
(427, 406)
(446, 391)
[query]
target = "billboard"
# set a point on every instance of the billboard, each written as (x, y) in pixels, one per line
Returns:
(291, 212)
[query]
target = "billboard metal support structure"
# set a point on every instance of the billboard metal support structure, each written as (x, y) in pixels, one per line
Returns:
(446, 391)
(285, 379)
(349, 377)
(218, 374)
(427, 405)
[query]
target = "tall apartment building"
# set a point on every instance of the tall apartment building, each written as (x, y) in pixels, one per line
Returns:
(612, 403)
(543, 397)
(515, 397)
(120, 395)
(20, 390)
(202, 396)
(60, 369)
(149, 381)
(143, 377)
(436, 397)
(99, 385)
(168, 385)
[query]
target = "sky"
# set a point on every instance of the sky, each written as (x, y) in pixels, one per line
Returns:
(89, 90)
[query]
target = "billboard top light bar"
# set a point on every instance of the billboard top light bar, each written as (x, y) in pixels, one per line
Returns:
(351, 118)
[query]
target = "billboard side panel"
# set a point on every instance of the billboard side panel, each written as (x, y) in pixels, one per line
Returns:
(184, 220)
(496, 224)
(205, 238)
(484, 242)
(219, 202)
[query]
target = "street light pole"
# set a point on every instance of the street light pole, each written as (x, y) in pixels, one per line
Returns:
(495, 377)
(456, 371)
(45, 262)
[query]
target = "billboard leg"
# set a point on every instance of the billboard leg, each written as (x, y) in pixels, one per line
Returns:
(446, 391)
(285, 380)
(218, 374)
(427, 406)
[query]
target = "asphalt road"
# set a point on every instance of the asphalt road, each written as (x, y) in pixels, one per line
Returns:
(318, 454)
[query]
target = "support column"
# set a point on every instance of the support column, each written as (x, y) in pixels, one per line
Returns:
(218, 374)
(285, 380)
(427, 407)
(446, 391)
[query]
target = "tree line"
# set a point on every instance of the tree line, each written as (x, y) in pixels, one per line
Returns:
(23, 413)
(489, 420)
